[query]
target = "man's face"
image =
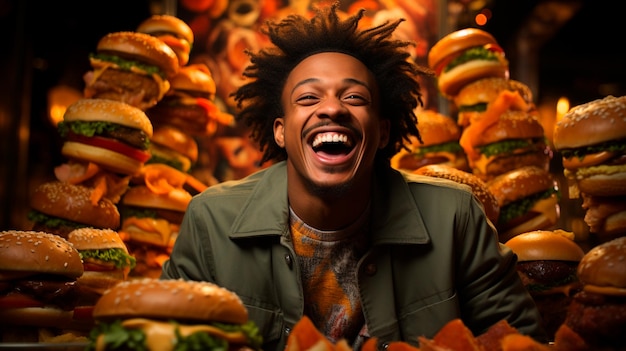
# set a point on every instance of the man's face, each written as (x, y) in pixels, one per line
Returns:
(331, 129)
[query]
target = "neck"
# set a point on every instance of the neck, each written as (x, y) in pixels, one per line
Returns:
(328, 209)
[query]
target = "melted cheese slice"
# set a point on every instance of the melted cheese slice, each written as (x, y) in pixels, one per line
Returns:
(588, 160)
(161, 336)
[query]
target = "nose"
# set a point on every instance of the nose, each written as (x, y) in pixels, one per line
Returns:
(332, 107)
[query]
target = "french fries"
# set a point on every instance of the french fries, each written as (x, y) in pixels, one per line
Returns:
(454, 336)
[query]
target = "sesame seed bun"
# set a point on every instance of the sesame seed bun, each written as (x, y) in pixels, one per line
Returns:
(96, 239)
(592, 123)
(24, 253)
(479, 188)
(73, 203)
(453, 45)
(170, 299)
(603, 269)
(142, 47)
(104, 110)
(97, 280)
(600, 171)
(172, 31)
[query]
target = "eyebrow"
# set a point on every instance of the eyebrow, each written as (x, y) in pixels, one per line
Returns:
(347, 80)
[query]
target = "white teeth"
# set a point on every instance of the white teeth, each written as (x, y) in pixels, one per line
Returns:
(330, 138)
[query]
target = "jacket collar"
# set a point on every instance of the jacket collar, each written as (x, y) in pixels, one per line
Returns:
(396, 218)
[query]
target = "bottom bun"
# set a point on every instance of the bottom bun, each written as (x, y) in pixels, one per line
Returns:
(37, 317)
(603, 184)
(108, 159)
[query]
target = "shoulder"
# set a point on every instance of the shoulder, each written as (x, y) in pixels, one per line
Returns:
(237, 192)
(423, 183)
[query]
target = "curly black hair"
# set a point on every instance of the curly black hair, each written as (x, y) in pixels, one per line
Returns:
(295, 38)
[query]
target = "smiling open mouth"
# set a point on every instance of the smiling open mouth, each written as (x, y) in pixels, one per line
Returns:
(332, 143)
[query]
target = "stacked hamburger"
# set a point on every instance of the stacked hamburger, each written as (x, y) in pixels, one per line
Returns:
(591, 139)
(105, 142)
(439, 145)
(152, 314)
(596, 317)
(152, 210)
(500, 130)
(547, 263)
(131, 67)
(38, 284)
(501, 134)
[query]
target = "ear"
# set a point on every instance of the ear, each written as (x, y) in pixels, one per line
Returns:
(279, 131)
(384, 133)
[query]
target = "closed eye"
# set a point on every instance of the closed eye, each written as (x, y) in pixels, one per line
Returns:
(307, 99)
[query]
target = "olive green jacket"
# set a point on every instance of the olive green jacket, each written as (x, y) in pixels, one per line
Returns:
(433, 257)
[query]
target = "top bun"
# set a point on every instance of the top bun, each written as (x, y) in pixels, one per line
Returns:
(73, 202)
(592, 123)
(109, 111)
(24, 253)
(179, 300)
(537, 245)
(603, 268)
(160, 24)
(479, 188)
(142, 47)
(436, 128)
(96, 239)
(196, 78)
(520, 183)
(141, 196)
(456, 42)
(172, 31)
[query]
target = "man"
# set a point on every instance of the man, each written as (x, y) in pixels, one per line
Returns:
(330, 230)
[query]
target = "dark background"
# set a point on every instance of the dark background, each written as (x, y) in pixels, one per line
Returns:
(559, 48)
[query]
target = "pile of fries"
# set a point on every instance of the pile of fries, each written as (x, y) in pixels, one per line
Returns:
(454, 336)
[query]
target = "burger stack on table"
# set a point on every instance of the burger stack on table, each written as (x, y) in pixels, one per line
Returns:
(506, 147)
(115, 205)
(591, 139)
(88, 269)
(500, 133)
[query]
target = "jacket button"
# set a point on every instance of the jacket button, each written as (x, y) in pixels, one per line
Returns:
(385, 346)
(288, 260)
(287, 331)
(370, 269)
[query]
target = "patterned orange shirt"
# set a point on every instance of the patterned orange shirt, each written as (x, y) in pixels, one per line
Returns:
(328, 263)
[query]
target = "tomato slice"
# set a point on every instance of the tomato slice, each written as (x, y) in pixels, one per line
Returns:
(94, 267)
(83, 312)
(113, 145)
(17, 300)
